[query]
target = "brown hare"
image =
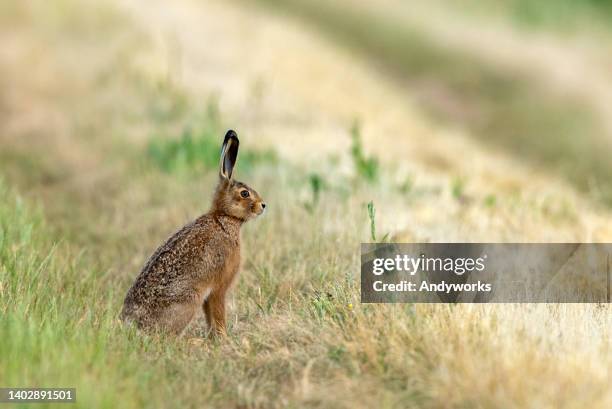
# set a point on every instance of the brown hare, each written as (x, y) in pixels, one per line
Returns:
(195, 267)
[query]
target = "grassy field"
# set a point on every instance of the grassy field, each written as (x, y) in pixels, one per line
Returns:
(105, 151)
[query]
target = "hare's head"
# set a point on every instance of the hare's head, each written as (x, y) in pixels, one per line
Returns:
(233, 198)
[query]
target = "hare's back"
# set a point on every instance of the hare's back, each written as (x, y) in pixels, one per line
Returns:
(187, 257)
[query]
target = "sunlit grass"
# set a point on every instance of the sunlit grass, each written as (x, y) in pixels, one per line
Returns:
(298, 336)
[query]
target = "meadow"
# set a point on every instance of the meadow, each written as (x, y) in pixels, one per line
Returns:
(111, 117)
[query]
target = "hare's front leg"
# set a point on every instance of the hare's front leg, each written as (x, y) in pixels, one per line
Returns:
(214, 310)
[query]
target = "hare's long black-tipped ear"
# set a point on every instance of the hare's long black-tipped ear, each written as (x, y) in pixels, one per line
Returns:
(229, 154)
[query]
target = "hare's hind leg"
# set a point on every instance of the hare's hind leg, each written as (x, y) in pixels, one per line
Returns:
(176, 317)
(214, 310)
(207, 313)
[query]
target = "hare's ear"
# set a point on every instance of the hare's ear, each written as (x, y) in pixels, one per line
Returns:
(229, 154)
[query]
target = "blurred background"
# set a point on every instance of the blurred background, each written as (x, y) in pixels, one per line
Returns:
(453, 87)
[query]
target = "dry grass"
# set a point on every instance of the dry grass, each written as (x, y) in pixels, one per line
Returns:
(298, 335)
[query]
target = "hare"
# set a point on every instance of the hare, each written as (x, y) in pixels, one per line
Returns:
(196, 266)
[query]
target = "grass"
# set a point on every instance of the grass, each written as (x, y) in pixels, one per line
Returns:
(458, 188)
(372, 216)
(317, 184)
(304, 344)
(74, 233)
(197, 150)
(365, 167)
(291, 344)
(556, 14)
(55, 321)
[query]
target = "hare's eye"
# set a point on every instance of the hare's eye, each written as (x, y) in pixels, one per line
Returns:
(244, 193)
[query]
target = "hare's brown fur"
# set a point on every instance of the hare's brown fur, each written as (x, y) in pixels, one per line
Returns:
(195, 267)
